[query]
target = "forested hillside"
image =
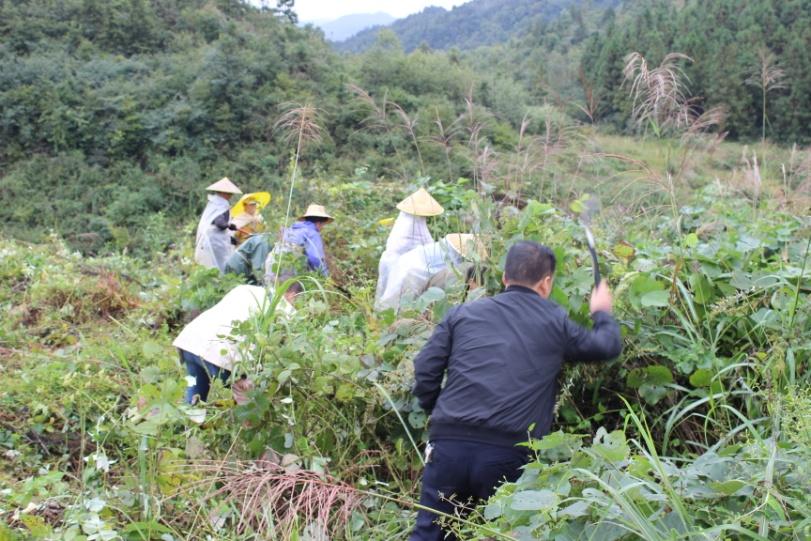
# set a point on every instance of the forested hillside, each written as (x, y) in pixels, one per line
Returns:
(472, 24)
(112, 111)
(735, 50)
(115, 113)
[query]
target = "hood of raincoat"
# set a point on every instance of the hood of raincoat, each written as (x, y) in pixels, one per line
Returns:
(412, 271)
(408, 232)
(213, 246)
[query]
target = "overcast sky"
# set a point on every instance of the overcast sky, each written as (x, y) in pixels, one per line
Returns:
(327, 10)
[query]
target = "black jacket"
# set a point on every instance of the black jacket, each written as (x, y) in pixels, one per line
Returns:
(503, 355)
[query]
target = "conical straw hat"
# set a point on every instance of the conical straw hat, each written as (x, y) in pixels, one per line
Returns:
(316, 211)
(420, 203)
(260, 198)
(466, 245)
(224, 185)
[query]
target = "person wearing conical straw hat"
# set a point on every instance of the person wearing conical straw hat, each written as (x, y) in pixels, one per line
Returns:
(213, 244)
(410, 230)
(303, 237)
(412, 272)
(245, 215)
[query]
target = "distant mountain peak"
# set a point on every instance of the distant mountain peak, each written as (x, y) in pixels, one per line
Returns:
(347, 26)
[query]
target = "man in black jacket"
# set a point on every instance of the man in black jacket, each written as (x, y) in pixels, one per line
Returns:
(502, 356)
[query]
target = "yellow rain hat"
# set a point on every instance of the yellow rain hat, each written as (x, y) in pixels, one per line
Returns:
(224, 185)
(420, 203)
(466, 245)
(316, 211)
(262, 199)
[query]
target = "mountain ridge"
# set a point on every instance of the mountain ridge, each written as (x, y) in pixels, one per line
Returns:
(467, 26)
(345, 27)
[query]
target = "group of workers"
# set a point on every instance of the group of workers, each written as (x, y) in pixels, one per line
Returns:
(233, 240)
(487, 376)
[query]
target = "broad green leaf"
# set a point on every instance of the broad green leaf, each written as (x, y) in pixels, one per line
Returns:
(701, 378)
(151, 349)
(557, 445)
(640, 466)
(432, 294)
(623, 250)
(765, 317)
(729, 487)
(645, 283)
(652, 394)
(775, 506)
(36, 525)
(6, 534)
(611, 446)
(551, 440)
(533, 500)
(650, 375)
(345, 392)
(493, 510)
(691, 240)
(142, 527)
(741, 280)
(747, 243)
(577, 509)
(702, 288)
(536, 208)
(659, 298)
(730, 450)
(417, 419)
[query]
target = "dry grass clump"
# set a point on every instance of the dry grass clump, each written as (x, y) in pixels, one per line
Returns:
(282, 499)
(768, 76)
(660, 93)
(58, 303)
(299, 124)
(84, 298)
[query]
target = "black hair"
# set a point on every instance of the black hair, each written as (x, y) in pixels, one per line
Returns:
(528, 263)
(476, 273)
(316, 219)
(295, 287)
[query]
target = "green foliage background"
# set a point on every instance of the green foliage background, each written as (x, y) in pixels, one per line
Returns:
(115, 115)
(115, 111)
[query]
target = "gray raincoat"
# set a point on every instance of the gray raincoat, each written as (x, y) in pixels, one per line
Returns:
(213, 246)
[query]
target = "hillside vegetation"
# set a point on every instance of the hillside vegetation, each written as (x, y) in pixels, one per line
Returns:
(116, 115)
(705, 413)
(470, 25)
(747, 58)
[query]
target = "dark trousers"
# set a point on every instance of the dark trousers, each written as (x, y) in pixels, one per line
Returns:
(462, 473)
(202, 371)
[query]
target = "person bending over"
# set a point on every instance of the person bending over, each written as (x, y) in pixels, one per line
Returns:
(206, 345)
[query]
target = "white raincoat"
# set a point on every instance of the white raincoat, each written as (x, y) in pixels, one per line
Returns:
(209, 334)
(408, 232)
(213, 245)
(410, 274)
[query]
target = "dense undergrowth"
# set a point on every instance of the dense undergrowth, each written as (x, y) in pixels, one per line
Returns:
(699, 431)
